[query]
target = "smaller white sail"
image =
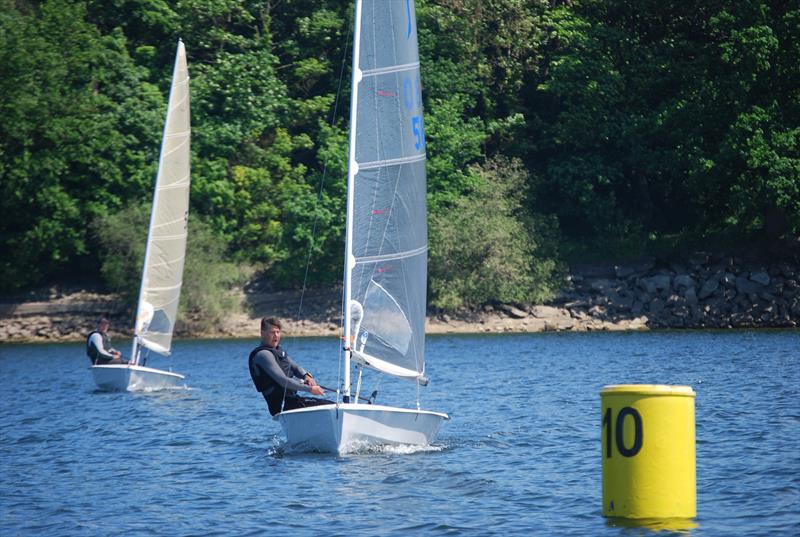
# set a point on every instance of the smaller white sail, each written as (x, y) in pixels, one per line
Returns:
(166, 242)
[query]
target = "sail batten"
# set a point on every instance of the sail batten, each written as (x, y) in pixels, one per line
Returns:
(396, 255)
(390, 69)
(170, 237)
(171, 222)
(386, 267)
(168, 288)
(390, 162)
(178, 134)
(181, 183)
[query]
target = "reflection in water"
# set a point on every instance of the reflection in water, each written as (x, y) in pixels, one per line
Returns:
(681, 526)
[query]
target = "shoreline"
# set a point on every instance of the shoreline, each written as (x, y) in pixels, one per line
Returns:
(702, 291)
(71, 316)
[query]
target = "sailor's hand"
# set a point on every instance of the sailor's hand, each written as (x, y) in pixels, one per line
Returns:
(316, 390)
(308, 380)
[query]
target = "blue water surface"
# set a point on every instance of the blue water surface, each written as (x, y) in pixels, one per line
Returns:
(521, 455)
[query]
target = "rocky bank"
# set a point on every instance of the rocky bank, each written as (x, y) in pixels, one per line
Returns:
(702, 291)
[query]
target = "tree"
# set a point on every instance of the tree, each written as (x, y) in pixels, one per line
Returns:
(486, 249)
(668, 119)
(207, 277)
(68, 145)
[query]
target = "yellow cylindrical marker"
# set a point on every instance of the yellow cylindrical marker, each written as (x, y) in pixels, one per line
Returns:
(648, 443)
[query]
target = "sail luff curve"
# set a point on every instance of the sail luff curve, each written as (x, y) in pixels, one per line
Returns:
(162, 275)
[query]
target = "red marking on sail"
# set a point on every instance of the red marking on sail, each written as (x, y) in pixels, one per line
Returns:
(384, 93)
(380, 211)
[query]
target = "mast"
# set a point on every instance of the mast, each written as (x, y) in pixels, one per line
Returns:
(352, 170)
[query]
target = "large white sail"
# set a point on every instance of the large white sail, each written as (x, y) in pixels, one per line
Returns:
(387, 244)
(166, 242)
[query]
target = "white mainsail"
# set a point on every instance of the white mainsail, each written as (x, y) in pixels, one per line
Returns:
(166, 242)
(387, 242)
(162, 274)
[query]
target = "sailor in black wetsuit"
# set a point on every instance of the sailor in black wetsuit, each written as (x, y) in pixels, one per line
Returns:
(98, 346)
(277, 376)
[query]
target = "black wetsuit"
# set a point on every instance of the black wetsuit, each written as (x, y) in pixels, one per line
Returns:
(272, 371)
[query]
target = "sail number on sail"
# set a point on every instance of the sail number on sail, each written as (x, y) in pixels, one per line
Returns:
(412, 95)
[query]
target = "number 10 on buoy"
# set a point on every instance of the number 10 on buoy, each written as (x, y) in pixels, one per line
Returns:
(648, 450)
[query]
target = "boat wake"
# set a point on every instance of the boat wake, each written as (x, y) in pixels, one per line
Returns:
(157, 389)
(280, 448)
(364, 448)
(407, 449)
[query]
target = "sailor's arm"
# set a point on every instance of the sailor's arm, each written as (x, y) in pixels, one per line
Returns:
(267, 362)
(296, 370)
(97, 341)
(301, 373)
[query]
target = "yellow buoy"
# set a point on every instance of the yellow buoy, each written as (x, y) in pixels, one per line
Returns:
(648, 443)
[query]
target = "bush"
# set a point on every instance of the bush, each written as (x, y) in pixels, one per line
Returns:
(207, 277)
(484, 248)
(122, 237)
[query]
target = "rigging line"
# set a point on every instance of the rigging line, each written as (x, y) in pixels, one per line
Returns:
(324, 174)
(339, 361)
(345, 49)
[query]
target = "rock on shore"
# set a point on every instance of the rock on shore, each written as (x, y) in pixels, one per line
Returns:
(702, 291)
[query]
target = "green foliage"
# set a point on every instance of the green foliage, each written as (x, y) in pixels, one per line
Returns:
(207, 277)
(667, 120)
(639, 127)
(475, 58)
(122, 239)
(485, 249)
(237, 101)
(68, 147)
(769, 158)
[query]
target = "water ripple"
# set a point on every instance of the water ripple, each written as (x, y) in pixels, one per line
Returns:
(519, 457)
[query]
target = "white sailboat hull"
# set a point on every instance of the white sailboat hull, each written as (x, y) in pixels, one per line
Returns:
(348, 426)
(126, 377)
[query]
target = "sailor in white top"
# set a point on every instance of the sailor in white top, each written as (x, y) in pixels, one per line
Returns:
(98, 346)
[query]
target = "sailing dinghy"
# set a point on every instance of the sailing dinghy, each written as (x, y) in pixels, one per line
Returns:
(164, 256)
(386, 242)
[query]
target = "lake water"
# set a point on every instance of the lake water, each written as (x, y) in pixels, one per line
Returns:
(521, 455)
